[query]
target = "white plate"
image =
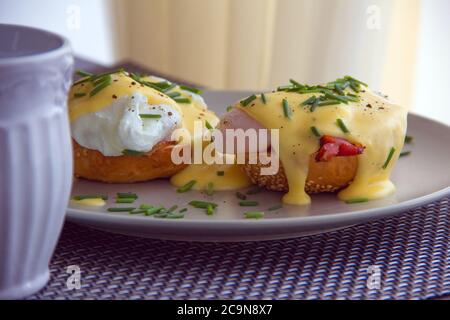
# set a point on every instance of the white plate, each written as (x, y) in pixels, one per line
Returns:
(421, 177)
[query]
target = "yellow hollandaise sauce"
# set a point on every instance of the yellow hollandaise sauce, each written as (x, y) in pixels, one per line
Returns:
(370, 120)
(83, 101)
(220, 176)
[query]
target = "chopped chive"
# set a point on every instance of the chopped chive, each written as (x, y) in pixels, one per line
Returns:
(254, 215)
(309, 101)
(173, 94)
(314, 105)
(248, 203)
(126, 195)
(138, 211)
(336, 97)
(82, 73)
(342, 125)
(405, 153)
(79, 94)
(202, 204)
(286, 109)
(357, 200)
(241, 196)
(209, 210)
(125, 200)
(182, 100)
(124, 209)
(101, 75)
(275, 207)
(208, 125)
(161, 215)
(408, 139)
(183, 210)
(315, 131)
(295, 83)
(390, 155)
(186, 187)
(153, 210)
(229, 108)
(132, 153)
(220, 173)
(328, 103)
(101, 85)
(175, 215)
(248, 100)
(254, 190)
(90, 196)
(355, 80)
(172, 208)
(210, 189)
(145, 206)
(263, 98)
(194, 90)
(149, 116)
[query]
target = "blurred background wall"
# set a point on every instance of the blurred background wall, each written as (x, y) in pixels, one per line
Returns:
(400, 47)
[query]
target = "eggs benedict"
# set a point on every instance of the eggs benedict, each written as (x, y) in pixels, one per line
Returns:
(337, 136)
(121, 124)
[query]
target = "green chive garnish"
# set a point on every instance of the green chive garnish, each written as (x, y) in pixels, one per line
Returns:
(309, 101)
(263, 98)
(153, 210)
(248, 100)
(405, 153)
(125, 200)
(202, 204)
(390, 155)
(186, 187)
(241, 196)
(357, 200)
(132, 153)
(286, 109)
(182, 100)
(208, 125)
(106, 81)
(220, 173)
(175, 216)
(90, 196)
(194, 90)
(82, 73)
(149, 116)
(145, 206)
(124, 209)
(342, 125)
(229, 108)
(183, 210)
(172, 208)
(408, 139)
(328, 103)
(79, 94)
(209, 210)
(138, 211)
(315, 131)
(254, 215)
(173, 94)
(275, 207)
(126, 195)
(248, 203)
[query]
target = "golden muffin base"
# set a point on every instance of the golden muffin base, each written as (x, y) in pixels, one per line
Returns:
(93, 165)
(323, 176)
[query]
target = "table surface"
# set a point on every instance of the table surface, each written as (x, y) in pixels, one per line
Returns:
(408, 253)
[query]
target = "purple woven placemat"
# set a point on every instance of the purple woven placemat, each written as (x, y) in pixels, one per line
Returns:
(411, 250)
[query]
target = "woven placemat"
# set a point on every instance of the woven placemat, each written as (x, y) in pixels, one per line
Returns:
(409, 253)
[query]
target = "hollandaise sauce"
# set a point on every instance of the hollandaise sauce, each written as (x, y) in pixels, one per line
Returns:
(355, 113)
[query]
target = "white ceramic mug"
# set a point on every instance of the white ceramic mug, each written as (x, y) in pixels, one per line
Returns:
(35, 154)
